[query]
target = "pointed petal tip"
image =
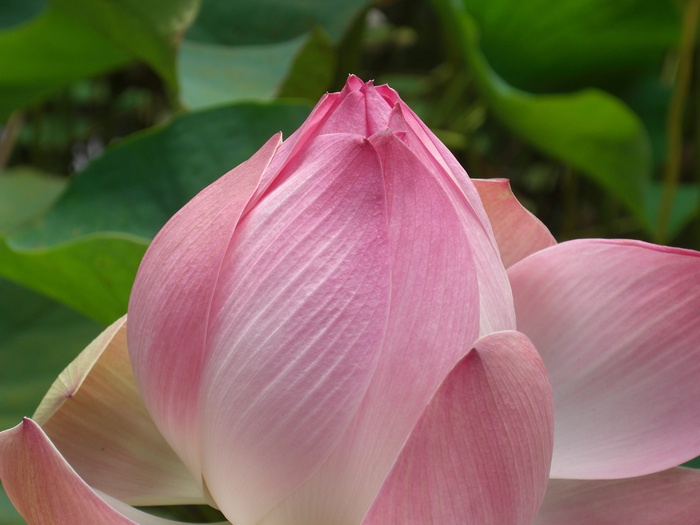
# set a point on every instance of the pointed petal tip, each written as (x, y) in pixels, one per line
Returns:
(71, 379)
(44, 488)
(103, 429)
(518, 232)
(353, 83)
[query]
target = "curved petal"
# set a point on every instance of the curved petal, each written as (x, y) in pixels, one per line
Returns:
(617, 325)
(432, 322)
(296, 327)
(45, 489)
(482, 449)
(670, 497)
(171, 297)
(494, 290)
(518, 232)
(94, 415)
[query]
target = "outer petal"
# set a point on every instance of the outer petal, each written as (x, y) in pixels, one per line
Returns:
(171, 297)
(671, 497)
(494, 291)
(94, 415)
(432, 322)
(297, 326)
(518, 232)
(617, 325)
(45, 489)
(481, 452)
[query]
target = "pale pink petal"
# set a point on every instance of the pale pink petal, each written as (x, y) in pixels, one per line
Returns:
(94, 415)
(494, 291)
(432, 323)
(481, 452)
(671, 497)
(297, 326)
(518, 232)
(617, 325)
(171, 297)
(46, 490)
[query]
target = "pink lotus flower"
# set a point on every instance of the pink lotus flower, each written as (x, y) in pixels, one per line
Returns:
(324, 335)
(617, 325)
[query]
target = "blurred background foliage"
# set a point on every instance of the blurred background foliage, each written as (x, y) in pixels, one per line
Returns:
(114, 114)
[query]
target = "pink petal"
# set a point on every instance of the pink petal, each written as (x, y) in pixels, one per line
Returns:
(362, 111)
(494, 290)
(669, 498)
(518, 232)
(432, 322)
(45, 489)
(297, 326)
(482, 449)
(295, 143)
(171, 297)
(357, 115)
(617, 325)
(434, 149)
(95, 417)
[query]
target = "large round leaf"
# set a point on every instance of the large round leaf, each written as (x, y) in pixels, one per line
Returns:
(147, 30)
(74, 39)
(590, 129)
(546, 45)
(47, 53)
(140, 182)
(250, 22)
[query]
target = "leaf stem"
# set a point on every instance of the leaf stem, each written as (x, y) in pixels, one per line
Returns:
(674, 121)
(8, 137)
